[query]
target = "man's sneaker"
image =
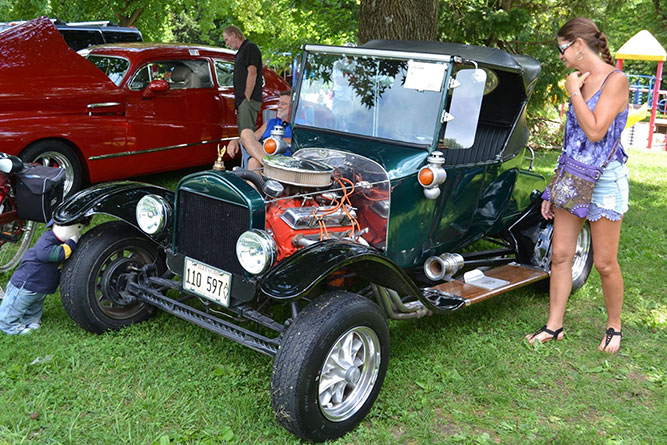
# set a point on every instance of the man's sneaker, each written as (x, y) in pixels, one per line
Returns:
(25, 331)
(34, 326)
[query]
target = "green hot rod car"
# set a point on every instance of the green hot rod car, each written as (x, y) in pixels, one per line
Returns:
(404, 154)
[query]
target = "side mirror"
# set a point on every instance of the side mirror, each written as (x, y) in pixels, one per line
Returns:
(156, 86)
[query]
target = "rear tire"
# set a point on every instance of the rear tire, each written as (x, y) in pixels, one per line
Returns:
(88, 277)
(53, 153)
(330, 366)
(583, 256)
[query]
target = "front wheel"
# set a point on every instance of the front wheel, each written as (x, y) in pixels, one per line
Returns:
(15, 237)
(89, 278)
(330, 366)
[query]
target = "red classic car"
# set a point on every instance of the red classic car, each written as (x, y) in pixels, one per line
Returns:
(129, 109)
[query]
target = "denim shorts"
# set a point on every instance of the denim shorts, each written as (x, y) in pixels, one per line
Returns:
(610, 195)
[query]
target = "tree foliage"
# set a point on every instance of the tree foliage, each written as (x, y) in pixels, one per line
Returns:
(530, 27)
(280, 27)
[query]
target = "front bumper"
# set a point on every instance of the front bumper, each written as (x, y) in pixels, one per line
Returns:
(153, 290)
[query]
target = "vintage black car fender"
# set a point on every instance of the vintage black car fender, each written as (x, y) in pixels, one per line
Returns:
(118, 199)
(299, 274)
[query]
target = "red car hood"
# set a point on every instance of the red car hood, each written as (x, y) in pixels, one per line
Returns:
(37, 65)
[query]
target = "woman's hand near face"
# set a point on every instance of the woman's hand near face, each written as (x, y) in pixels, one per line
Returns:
(574, 81)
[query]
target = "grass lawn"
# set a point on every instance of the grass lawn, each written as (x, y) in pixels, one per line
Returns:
(462, 378)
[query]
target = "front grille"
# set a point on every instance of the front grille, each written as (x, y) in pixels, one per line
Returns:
(207, 230)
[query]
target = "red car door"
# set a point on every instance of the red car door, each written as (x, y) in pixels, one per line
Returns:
(175, 128)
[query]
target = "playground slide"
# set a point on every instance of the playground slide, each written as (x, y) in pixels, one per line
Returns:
(636, 114)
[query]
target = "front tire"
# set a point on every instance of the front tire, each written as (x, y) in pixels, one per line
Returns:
(53, 153)
(330, 366)
(88, 277)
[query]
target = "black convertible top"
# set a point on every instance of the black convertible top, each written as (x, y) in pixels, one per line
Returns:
(491, 57)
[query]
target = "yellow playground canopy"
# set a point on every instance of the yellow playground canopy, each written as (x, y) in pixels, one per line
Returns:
(643, 46)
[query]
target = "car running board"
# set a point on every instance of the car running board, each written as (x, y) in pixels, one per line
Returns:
(479, 286)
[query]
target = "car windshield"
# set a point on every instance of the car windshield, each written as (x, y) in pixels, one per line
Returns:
(114, 67)
(371, 96)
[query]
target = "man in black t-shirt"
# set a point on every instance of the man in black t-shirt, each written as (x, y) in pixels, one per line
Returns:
(247, 77)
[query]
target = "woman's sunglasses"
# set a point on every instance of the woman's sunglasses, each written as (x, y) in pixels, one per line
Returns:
(563, 47)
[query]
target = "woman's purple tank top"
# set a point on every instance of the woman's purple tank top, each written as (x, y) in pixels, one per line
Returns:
(577, 145)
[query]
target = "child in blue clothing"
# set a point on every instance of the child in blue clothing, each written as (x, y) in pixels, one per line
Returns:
(37, 276)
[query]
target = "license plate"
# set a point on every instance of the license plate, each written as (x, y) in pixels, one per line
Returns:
(206, 281)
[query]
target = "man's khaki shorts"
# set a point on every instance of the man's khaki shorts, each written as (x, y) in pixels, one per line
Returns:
(246, 115)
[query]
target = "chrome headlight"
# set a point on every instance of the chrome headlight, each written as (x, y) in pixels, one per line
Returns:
(152, 213)
(256, 251)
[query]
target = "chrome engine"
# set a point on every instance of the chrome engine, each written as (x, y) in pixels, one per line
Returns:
(321, 202)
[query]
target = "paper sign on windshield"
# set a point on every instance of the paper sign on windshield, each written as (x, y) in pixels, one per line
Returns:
(424, 76)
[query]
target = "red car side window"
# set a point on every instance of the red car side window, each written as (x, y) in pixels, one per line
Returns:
(181, 74)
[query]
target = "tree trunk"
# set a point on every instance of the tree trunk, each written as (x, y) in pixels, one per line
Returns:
(398, 20)
(130, 13)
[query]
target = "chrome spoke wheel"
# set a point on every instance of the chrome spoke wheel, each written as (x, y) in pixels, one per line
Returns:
(330, 366)
(349, 373)
(581, 254)
(57, 159)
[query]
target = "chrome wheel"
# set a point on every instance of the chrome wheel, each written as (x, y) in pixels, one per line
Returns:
(329, 369)
(580, 264)
(349, 373)
(57, 159)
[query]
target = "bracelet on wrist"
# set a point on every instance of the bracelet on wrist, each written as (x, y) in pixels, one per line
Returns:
(576, 93)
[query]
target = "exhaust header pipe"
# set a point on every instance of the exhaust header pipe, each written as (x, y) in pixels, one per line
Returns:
(443, 267)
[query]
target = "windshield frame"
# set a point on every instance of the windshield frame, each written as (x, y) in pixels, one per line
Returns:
(405, 56)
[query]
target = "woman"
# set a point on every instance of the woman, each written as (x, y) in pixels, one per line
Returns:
(597, 115)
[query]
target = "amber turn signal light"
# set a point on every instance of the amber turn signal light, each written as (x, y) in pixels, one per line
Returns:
(270, 146)
(426, 176)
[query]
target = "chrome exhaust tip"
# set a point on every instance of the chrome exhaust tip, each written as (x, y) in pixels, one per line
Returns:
(442, 267)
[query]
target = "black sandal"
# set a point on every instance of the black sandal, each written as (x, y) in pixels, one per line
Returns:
(554, 334)
(609, 335)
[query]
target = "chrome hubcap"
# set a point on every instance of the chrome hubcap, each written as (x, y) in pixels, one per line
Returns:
(581, 253)
(57, 159)
(349, 373)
